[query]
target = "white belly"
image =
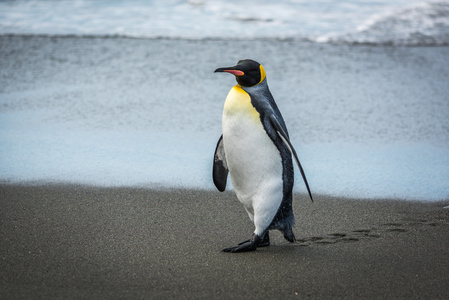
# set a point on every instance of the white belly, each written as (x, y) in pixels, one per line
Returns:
(255, 166)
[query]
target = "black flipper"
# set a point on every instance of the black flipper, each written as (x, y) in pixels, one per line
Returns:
(220, 169)
(285, 139)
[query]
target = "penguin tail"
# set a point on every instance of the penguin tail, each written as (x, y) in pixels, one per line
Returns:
(289, 235)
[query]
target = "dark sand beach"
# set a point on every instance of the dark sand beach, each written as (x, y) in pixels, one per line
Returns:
(79, 242)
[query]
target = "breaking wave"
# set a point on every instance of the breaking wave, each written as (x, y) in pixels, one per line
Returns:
(423, 24)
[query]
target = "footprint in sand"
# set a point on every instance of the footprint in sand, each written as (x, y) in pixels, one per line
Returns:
(364, 233)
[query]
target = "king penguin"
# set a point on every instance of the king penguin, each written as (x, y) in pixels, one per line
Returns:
(255, 150)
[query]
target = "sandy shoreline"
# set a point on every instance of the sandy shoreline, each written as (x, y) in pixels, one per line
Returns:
(68, 241)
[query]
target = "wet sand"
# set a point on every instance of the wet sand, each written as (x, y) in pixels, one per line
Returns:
(80, 242)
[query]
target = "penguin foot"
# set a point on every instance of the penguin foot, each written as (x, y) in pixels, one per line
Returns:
(265, 242)
(249, 245)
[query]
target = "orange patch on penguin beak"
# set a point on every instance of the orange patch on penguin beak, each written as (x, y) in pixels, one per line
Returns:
(235, 72)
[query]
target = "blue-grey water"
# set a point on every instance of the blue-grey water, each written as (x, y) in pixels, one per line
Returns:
(122, 93)
(378, 22)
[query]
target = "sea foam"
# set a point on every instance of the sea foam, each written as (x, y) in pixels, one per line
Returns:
(397, 22)
(425, 23)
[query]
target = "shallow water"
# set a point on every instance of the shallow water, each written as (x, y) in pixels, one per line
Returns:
(367, 122)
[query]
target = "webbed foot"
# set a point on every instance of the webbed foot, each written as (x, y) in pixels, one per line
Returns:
(250, 245)
(265, 242)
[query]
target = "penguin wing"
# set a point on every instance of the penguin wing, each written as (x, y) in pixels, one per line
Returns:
(220, 169)
(284, 137)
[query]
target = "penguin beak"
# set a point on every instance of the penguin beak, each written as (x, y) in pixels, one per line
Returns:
(231, 70)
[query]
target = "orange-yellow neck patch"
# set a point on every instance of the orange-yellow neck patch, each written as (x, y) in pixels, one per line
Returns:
(262, 74)
(238, 101)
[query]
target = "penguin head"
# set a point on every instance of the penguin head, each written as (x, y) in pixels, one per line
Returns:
(247, 72)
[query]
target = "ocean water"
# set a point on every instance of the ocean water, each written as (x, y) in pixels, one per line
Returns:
(401, 22)
(126, 96)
